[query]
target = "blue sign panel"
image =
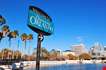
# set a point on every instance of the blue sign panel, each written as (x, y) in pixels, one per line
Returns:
(39, 21)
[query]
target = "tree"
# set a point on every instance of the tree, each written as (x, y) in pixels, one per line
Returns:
(4, 33)
(15, 34)
(12, 34)
(44, 54)
(24, 38)
(29, 38)
(72, 57)
(6, 53)
(5, 30)
(1, 36)
(2, 20)
(1, 55)
(85, 56)
(54, 54)
(32, 58)
(17, 54)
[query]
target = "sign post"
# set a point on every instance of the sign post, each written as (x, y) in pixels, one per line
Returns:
(40, 39)
(40, 23)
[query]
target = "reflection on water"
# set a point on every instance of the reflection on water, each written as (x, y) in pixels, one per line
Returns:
(73, 67)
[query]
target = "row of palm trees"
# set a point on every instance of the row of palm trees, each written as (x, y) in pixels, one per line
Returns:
(6, 32)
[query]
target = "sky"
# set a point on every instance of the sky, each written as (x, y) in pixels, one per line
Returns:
(75, 21)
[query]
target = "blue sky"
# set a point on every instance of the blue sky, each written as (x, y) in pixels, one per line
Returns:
(75, 21)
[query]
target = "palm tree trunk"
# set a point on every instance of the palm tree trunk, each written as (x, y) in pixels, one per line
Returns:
(29, 49)
(3, 55)
(13, 53)
(25, 48)
(21, 52)
(25, 44)
(17, 49)
(9, 47)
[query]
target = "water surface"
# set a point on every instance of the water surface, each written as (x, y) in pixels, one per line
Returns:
(73, 67)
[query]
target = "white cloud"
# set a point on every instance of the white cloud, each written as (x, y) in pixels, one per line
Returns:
(79, 38)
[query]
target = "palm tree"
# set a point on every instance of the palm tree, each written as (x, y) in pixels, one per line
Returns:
(24, 39)
(11, 35)
(30, 37)
(2, 20)
(1, 36)
(15, 34)
(5, 31)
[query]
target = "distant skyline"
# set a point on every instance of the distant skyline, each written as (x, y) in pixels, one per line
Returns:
(75, 21)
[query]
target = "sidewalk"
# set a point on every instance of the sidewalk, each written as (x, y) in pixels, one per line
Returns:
(9, 67)
(5, 67)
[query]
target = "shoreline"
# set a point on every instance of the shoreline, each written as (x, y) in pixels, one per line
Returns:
(32, 64)
(58, 63)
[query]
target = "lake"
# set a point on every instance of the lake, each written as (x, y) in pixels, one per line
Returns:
(73, 67)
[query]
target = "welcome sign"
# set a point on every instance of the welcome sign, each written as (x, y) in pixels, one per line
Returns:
(39, 21)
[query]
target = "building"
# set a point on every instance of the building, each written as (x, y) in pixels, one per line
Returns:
(97, 51)
(78, 49)
(67, 52)
(104, 52)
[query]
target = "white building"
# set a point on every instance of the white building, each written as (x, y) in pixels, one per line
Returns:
(104, 52)
(79, 49)
(97, 51)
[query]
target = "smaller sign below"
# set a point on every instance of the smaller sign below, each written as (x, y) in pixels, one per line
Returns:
(39, 21)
